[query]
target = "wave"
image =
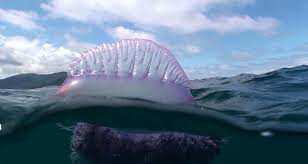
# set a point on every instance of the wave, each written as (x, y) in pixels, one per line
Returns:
(276, 101)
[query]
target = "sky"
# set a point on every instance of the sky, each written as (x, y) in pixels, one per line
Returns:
(209, 38)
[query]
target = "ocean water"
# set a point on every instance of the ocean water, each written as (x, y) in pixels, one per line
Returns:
(263, 118)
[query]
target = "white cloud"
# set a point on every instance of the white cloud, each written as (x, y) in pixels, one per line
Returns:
(222, 70)
(7, 59)
(121, 32)
(192, 49)
(236, 56)
(178, 15)
(21, 19)
(242, 23)
(22, 55)
(72, 44)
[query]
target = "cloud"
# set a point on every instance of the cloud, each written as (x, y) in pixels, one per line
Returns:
(192, 49)
(7, 59)
(121, 32)
(72, 44)
(178, 15)
(21, 19)
(239, 56)
(242, 23)
(22, 55)
(222, 70)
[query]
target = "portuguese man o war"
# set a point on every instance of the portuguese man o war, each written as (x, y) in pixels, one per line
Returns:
(100, 144)
(129, 68)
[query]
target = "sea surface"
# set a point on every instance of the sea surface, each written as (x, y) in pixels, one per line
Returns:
(263, 118)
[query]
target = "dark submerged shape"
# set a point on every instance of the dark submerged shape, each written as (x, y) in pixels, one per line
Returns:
(101, 144)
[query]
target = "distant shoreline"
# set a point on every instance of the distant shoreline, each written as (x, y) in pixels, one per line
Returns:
(32, 80)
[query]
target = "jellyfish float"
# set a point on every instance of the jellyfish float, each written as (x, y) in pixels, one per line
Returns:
(100, 144)
(130, 68)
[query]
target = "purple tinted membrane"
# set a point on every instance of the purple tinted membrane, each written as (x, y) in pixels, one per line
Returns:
(136, 54)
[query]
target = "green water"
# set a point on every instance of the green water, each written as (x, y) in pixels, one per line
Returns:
(43, 142)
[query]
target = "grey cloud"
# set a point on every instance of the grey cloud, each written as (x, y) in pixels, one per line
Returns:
(7, 59)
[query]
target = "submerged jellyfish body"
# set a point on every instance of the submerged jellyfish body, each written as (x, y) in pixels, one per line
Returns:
(131, 68)
(102, 144)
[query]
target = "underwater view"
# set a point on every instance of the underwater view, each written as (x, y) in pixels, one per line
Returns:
(153, 82)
